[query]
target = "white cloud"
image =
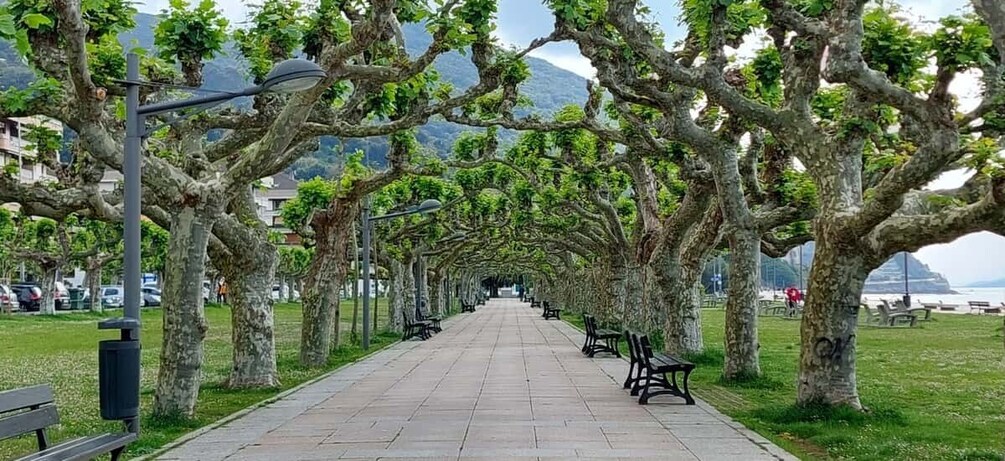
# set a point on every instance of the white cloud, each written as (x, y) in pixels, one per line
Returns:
(576, 64)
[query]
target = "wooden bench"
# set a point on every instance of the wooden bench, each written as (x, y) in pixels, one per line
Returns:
(929, 307)
(900, 307)
(550, 312)
(467, 307)
(33, 409)
(983, 307)
(886, 317)
(594, 335)
(416, 327)
(948, 307)
(434, 320)
(647, 372)
(768, 307)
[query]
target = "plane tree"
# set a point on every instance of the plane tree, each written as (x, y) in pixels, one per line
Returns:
(885, 127)
(198, 187)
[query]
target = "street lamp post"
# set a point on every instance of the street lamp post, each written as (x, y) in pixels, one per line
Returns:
(427, 206)
(119, 361)
(907, 288)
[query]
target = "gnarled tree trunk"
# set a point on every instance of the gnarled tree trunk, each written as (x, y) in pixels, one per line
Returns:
(830, 320)
(680, 286)
(320, 297)
(249, 276)
(742, 358)
(93, 283)
(185, 326)
(436, 294)
(248, 263)
(48, 286)
(396, 295)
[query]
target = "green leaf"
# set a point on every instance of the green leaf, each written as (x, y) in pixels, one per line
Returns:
(35, 20)
(7, 28)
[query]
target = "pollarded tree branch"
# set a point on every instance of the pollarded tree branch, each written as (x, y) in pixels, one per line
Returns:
(621, 14)
(845, 63)
(776, 247)
(909, 233)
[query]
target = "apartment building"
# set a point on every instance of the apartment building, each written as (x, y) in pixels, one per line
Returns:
(14, 148)
(275, 190)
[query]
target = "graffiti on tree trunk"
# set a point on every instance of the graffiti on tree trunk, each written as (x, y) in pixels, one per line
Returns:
(832, 348)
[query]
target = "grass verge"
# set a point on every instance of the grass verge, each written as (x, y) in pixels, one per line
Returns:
(933, 393)
(61, 351)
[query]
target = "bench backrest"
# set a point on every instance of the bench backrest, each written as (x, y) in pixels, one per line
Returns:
(884, 310)
(631, 347)
(31, 409)
(635, 348)
(588, 324)
(979, 304)
(646, 347)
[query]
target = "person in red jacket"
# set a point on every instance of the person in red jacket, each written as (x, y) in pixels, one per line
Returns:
(794, 297)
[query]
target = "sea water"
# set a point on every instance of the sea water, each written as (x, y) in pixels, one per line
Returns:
(993, 295)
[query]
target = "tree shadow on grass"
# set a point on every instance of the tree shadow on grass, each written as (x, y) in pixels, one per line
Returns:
(708, 357)
(745, 381)
(844, 415)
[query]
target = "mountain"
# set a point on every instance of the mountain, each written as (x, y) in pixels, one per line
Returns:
(998, 283)
(549, 88)
(889, 278)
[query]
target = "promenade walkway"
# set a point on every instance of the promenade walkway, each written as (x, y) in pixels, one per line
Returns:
(501, 383)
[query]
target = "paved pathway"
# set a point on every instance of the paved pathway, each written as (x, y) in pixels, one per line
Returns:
(501, 383)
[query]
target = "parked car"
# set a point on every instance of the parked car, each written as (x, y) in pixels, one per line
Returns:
(111, 296)
(281, 293)
(29, 296)
(8, 299)
(151, 296)
(62, 296)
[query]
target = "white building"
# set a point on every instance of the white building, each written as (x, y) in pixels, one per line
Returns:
(275, 191)
(14, 148)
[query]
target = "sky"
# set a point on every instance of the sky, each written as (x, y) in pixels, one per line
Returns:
(969, 259)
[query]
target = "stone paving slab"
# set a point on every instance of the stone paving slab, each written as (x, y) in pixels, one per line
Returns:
(501, 383)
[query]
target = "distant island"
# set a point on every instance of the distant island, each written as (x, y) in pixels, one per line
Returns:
(987, 284)
(889, 278)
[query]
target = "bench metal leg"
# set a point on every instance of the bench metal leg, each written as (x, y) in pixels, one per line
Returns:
(116, 453)
(612, 344)
(644, 391)
(631, 371)
(687, 393)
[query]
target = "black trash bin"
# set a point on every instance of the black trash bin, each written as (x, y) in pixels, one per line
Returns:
(119, 379)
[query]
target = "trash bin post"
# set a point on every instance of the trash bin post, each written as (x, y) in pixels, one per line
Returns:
(119, 373)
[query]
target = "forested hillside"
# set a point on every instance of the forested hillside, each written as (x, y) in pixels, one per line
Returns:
(549, 88)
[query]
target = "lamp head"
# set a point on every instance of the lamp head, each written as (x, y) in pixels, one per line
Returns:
(428, 206)
(293, 75)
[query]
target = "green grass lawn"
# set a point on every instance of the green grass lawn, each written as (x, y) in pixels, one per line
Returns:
(936, 392)
(61, 351)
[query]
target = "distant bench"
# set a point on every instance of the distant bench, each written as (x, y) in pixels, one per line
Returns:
(551, 312)
(33, 409)
(984, 307)
(595, 335)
